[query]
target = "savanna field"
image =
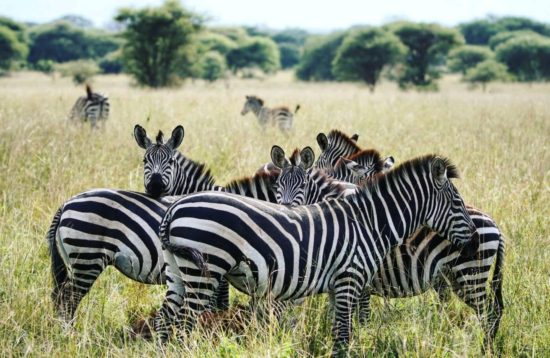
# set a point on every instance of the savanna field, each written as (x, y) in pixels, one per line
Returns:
(499, 140)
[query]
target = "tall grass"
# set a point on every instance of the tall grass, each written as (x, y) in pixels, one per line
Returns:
(499, 140)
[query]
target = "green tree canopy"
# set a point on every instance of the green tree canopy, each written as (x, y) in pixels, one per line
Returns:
(212, 66)
(290, 54)
(427, 44)
(157, 39)
(527, 57)
(210, 41)
(62, 42)
(478, 32)
(260, 52)
(364, 53)
(316, 61)
(502, 37)
(485, 72)
(12, 49)
(462, 58)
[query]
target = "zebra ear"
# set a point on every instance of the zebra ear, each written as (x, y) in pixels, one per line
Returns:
(278, 157)
(354, 167)
(307, 157)
(354, 137)
(141, 137)
(247, 97)
(322, 141)
(89, 91)
(439, 172)
(387, 164)
(176, 138)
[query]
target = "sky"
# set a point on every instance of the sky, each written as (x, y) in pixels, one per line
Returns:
(312, 15)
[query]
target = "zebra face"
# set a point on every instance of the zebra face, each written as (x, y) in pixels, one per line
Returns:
(292, 183)
(253, 104)
(449, 216)
(336, 145)
(159, 162)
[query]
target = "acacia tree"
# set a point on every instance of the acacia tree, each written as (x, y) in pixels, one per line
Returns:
(11, 49)
(468, 56)
(485, 72)
(363, 55)
(316, 62)
(527, 57)
(427, 46)
(156, 42)
(260, 52)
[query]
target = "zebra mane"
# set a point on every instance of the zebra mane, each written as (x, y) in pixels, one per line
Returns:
(405, 169)
(325, 180)
(295, 158)
(255, 98)
(281, 108)
(336, 135)
(160, 138)
(200, 170)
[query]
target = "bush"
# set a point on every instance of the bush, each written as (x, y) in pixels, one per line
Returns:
(12, 50)
(316, 61)
(212, 66)
(255, 52)
(81, 71)
(485, 72)
(527, 57)
(468, 56)
(111, 63)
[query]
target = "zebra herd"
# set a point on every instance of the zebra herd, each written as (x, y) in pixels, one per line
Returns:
(348, 224)
(95, 106)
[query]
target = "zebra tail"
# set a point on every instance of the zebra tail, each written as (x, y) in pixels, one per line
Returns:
(496, 284)
(60, 273)
(297, 108)
(179, 250)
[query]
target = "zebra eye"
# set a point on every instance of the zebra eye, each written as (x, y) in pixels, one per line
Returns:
(171, 160)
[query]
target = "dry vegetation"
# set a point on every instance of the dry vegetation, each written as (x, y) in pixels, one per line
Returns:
(499, 140)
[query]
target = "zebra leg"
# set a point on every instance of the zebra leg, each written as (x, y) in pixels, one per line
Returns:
(346, 293)
(220, 300)
(364, 308)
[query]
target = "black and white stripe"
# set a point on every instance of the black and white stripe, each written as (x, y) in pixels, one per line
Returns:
(105, 227)
(93, 107)
(335, 146)
(282, 117)
(333, 247)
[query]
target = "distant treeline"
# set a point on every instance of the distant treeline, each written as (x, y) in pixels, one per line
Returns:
(159, 46)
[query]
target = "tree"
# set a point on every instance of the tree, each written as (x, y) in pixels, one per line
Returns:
(212, 66)
(363, 55)
(527, 57)
(427, 44)
(478, 32)
(260, 52)
(62, 42)
(12, 49)
(316, 61)
(511, 23)
(156, 42)
(290, 54)
(77, 21)
(111, 62)
(502, 37)
(211, 41)
(485, 72)
(465, 57)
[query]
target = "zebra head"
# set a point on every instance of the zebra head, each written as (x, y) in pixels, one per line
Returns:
(291, 183)
(367, 168)
(159, 160)
(447, 213)
(253, 104)
(334, 146)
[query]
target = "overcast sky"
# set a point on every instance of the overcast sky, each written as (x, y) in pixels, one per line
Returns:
(313, 15)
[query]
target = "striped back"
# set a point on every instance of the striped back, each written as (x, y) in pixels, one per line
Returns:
(360, 167)
(334, 146)
(93, 107)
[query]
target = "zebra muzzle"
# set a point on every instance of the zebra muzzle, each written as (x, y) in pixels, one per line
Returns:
(155, 186)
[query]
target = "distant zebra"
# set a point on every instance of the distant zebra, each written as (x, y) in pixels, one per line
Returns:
(93, 107)
(282, 117)
(425, 260)
(335, 146)
(103, 227)
(334, 247)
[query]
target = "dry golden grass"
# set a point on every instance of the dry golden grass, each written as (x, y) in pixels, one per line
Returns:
(499, 140)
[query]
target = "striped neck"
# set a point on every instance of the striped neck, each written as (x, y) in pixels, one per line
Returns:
(190, 177)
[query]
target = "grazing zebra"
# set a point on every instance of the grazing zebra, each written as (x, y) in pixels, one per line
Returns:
(103, 227)
(428, 260)
(334, 246)
(333, 147)
(93, 107)
(280, 116)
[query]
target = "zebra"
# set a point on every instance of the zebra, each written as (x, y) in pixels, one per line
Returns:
(104, 227)
(93, 107)
(426, 260)
(334, 146)
(334, 246)
(280, 116)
